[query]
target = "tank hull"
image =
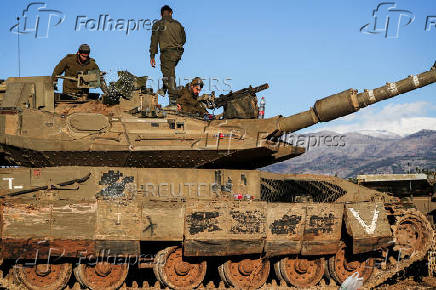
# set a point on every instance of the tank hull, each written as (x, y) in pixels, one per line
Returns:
(147, 217)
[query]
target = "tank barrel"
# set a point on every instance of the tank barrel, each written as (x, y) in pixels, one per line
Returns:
(350, 101)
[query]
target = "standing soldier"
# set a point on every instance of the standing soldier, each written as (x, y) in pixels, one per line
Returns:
(72, 64)
(170, 35)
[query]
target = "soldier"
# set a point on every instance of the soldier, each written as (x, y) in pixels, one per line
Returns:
(72, 64)
(170, 35)
(188, 101)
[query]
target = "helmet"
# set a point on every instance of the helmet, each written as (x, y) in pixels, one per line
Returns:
(197, 81)
(84, 48)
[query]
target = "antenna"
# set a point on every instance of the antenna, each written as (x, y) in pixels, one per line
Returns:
(18, 44)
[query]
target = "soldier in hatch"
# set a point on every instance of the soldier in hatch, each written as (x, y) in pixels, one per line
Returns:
(170, 35)
(72, 64)
(188, 98)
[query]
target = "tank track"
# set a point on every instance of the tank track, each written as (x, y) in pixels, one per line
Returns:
(382, 274)
(431, 257)
(392, 269)
(9, 283)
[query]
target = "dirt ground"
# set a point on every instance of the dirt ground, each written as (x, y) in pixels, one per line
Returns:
(410, 283)
(415, 277)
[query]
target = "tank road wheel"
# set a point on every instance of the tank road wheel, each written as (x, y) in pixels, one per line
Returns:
(102, 275)
(176, 272)
(277, 271)
(343, 265)
(246, 273)
(43, 276)
(412, 233)
(300, 272)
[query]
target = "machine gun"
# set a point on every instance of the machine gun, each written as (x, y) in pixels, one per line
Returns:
(222, 100)
(84, 81)
(241, 104)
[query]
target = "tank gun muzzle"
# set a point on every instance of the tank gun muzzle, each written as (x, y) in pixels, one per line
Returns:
(350, 101)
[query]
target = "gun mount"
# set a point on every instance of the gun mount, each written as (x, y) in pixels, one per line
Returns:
(241, 104)
(222, 100)
(90, 79)
(137, 132)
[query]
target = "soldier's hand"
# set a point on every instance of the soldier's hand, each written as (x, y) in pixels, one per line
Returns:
(179, 108)
(152, 62)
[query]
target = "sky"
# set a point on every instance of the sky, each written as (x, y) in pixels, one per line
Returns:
(305, 50)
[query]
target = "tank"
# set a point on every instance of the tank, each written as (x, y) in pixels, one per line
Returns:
(419, 188)
(90, 206)
(137, 133)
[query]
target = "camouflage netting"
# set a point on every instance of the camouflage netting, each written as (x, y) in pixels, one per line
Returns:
(123, 87)
(295, 190)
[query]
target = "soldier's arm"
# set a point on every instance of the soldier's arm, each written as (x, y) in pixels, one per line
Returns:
(181, 100)
(154, 40)
(182, 34)
(95, 65)
(185, 101)
(59, 69)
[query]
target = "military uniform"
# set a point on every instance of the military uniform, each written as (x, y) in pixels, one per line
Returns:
(170, 35)
(71, 66)
(189, 103)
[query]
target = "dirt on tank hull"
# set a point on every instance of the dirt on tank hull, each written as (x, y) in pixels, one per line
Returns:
(105, 222)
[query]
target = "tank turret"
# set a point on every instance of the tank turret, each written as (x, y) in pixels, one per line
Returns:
(128, 127)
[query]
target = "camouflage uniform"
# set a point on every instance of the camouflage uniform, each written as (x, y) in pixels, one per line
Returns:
(71, 66)
(189, 103)
(170, 35)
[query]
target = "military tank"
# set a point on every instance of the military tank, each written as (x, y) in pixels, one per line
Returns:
(136, 133)
(121, 212)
